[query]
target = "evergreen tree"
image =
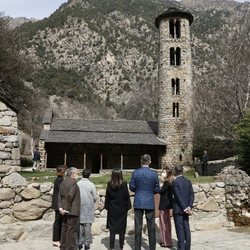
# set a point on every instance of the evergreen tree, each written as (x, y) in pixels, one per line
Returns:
(243, 142)
(14, 66)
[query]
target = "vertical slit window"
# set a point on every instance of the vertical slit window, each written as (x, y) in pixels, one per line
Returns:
(177, 86)
(173, 86)
(171, 28)
(175, 109)
(175, 83)
(178, 28)
(172, 56)
(178, 56)
(180, 157)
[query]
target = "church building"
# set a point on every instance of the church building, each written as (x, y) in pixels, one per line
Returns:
(107, 144)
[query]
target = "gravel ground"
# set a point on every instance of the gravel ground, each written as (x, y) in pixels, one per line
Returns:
(225, 238)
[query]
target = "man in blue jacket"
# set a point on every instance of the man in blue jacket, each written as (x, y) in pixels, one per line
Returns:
(182, 208)
(144, 183)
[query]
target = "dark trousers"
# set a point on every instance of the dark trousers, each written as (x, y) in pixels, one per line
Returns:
(121, 239)
(204, 169)
(150, 218)
(57, 226)
(69, 232)
(182, 229)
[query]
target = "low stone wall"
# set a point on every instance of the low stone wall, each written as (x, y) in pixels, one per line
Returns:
(217, 204)
(215, 167)
(22, 201)
(209, 211)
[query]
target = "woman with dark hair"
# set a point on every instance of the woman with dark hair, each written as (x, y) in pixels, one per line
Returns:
(117, 203)
(57, 226)
(165, 208)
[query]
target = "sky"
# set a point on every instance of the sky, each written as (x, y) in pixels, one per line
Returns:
(38, 9)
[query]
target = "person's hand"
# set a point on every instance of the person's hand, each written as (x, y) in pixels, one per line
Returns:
(171, 213)
(188, 211)
(61, 210)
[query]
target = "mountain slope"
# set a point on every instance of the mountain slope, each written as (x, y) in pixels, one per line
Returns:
(104, 53)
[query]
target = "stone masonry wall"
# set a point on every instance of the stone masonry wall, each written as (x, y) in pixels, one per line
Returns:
(20, 201)
(237, 193)
(216, 204)
(175, 131)
(215, 167)
(209, 211)
(9, 146)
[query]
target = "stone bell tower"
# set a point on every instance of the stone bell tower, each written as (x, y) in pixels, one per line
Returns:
(175, 86)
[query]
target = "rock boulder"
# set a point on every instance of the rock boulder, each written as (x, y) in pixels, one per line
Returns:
(30, 210)
(7, 194)
(30, 193)
(14, 180)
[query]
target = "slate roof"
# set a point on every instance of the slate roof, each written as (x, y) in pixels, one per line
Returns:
(8, 103)
(48, 115)
(102, 132)
(174, 12)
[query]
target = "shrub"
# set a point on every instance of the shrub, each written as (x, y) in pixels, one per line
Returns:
(26, 161)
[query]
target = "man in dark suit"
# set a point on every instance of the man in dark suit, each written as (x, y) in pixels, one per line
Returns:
(182, 208)
(69, 207)
(145, 184)
(204, 163)
(57, 226)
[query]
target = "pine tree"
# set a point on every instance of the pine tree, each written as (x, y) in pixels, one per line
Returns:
(243, 142)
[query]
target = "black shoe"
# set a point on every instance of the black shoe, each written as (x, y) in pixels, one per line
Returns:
(80, 247)
(86, 247)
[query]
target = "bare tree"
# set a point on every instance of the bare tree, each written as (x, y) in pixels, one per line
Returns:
(224, 98)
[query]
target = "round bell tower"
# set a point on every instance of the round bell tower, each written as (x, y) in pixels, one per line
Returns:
(175, 86)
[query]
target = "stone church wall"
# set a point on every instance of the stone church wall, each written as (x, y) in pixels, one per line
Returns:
(9, 146)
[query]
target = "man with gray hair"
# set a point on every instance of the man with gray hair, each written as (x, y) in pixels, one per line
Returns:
(144, 183)
(87, 213)
(69, 207)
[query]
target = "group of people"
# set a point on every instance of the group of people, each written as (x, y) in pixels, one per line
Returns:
(176, 196)
(74, 204)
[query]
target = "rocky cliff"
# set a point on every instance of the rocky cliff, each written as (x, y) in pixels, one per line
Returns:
(101, 56)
